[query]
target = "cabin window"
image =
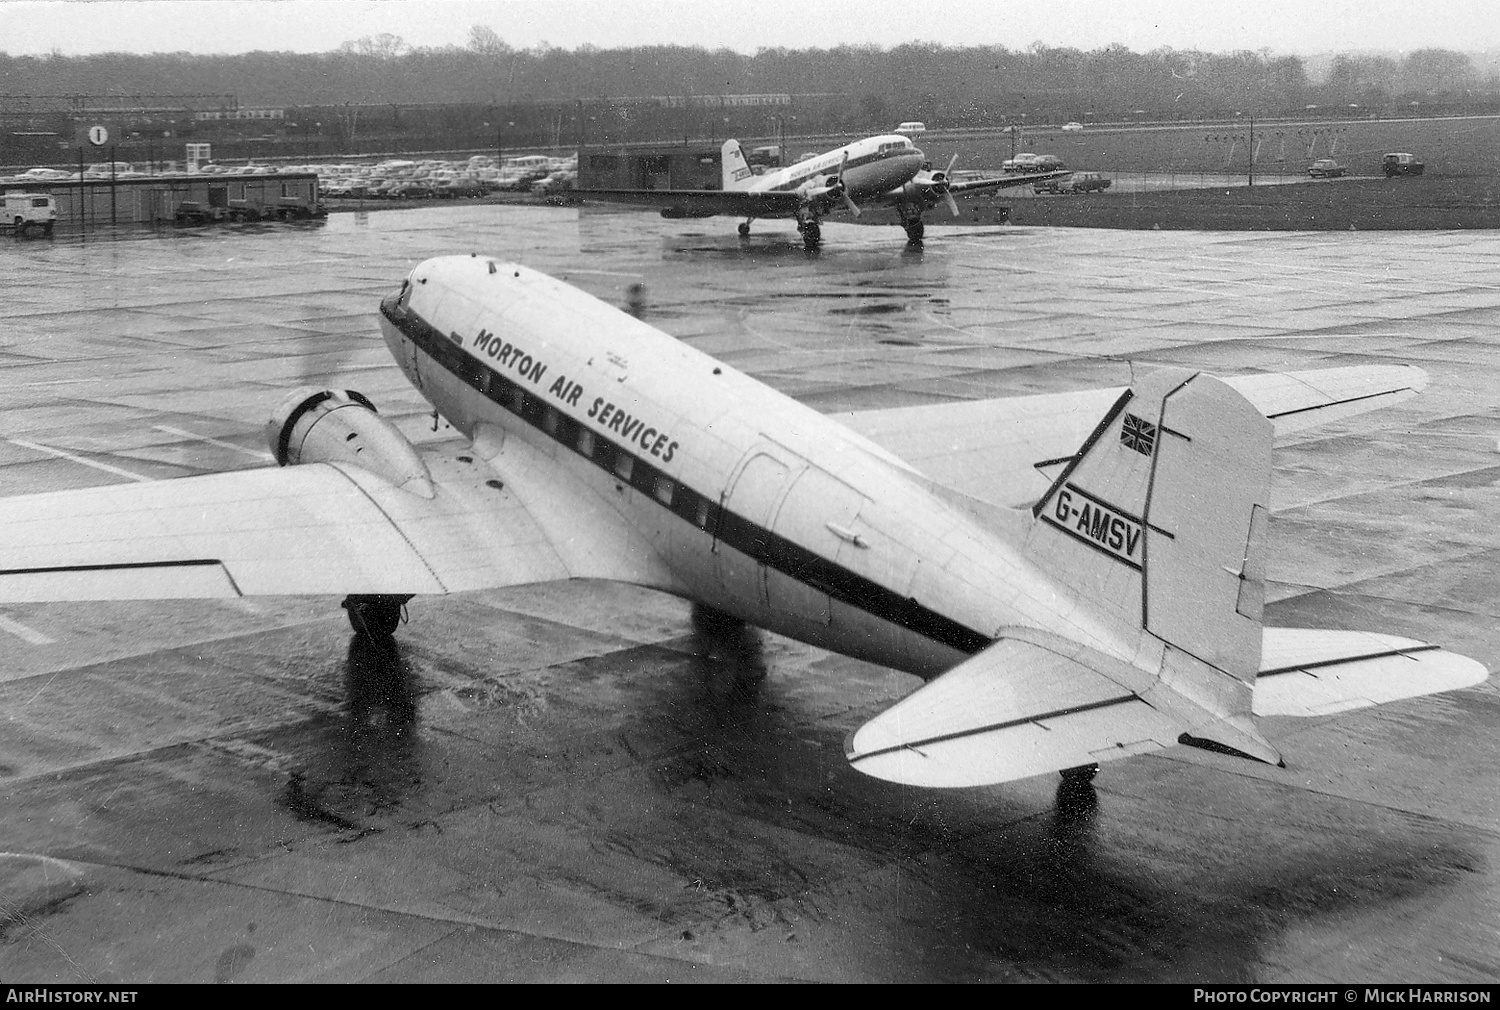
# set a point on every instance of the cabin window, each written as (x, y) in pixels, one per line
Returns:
(515, 398)
(550, 421)
(702, 517)
(664, 488)
(624, 465)
(585, 442)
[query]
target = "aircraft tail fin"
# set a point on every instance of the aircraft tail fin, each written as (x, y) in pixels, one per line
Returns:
(737, 174)
(1161, 517)
(1159, 521)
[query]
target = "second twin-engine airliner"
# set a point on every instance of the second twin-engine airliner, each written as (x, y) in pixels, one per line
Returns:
(888, 171)
(1078, 577)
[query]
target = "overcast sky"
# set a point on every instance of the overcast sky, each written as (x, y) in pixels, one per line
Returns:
(233, 26)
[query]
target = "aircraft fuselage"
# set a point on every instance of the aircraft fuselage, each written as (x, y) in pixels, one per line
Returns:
(874, 166)
(751, 502)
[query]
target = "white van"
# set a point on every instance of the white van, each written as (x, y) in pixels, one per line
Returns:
(28, 211)
(912, 128)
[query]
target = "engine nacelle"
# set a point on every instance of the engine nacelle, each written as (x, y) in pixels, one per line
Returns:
(927, 187)
(342, 426)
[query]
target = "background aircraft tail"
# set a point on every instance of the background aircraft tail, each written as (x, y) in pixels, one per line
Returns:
(737, 174)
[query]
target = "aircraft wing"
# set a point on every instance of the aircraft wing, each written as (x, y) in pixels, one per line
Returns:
(701, 202)
(1012, 711)
(1002, 181)
(1007, 451)
(313, 529)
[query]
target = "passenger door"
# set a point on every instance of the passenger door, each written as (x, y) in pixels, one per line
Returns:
(749, 506)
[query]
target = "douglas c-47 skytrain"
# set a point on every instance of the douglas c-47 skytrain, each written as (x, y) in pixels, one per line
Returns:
(887, 171)
(1078, 577)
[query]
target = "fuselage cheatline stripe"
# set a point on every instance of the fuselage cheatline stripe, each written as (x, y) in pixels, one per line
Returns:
(755, 541)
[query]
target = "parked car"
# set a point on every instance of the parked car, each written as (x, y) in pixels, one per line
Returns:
(912, 128)
(411, 189)
(1072, 127)
(465, 187)
(1325, 168)
(1024, 163)
(1074, 182)
(44, 175)
(559, 181)
(1400, 163)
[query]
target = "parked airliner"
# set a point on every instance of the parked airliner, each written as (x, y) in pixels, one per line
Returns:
(1077, 577)
(887, 170)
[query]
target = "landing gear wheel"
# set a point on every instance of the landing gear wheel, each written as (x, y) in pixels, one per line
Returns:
(375, 617)
(745, 229)
(914, 231)
(1080, 776)
(812, 235)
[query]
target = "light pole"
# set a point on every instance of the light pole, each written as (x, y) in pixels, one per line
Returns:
(1251, 145)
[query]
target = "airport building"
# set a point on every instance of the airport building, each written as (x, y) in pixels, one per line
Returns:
(146, 199)
(680, 166)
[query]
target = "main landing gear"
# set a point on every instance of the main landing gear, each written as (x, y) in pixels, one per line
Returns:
(1080, 776)
(812, 233)
(744, 229)
(375, 618)
(914, 231)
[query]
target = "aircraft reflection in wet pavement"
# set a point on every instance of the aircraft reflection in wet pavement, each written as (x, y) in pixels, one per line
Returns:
(1068, 605)
(886, 170)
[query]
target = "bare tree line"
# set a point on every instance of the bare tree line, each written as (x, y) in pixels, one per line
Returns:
(947, 86)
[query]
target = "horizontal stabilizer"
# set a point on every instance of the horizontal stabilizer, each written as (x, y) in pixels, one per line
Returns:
(1294, 401)
(1306, 672)
(1008, 451)
(1014, 710)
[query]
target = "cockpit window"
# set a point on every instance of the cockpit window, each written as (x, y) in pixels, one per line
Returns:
(405, 294)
